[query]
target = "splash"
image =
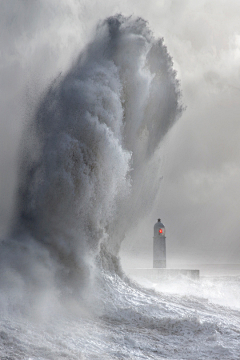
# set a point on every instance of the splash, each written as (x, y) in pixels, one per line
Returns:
(87, 151)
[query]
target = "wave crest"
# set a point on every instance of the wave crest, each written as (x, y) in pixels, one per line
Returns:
(92, 140)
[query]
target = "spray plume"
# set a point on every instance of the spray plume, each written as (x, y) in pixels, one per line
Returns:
(83, 171)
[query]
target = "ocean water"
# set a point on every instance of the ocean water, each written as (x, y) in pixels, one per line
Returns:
(154, 321)
(84, 181)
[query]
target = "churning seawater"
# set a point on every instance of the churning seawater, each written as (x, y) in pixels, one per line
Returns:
(135, 323)
(84, 181)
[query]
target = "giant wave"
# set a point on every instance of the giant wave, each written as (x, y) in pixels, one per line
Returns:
(85, 153)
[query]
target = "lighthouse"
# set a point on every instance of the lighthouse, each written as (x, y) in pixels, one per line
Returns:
(160, 270)
(159, 245)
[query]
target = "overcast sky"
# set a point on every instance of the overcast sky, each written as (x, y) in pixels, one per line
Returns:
(199, 198)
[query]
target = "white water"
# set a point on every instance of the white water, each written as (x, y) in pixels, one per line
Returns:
(135, 323)
(86, 154)
(84, 182)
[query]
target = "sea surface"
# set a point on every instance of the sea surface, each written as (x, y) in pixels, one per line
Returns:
(173, 319)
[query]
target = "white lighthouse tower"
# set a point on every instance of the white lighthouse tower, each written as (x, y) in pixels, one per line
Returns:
(159, 245)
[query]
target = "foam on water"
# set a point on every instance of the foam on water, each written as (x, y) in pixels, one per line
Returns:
(135, 323)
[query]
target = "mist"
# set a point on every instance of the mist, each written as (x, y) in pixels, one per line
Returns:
(197, 198)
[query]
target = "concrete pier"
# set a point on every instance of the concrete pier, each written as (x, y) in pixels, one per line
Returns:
(158, 273)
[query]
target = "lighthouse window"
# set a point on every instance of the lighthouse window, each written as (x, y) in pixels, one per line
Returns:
(160, 231)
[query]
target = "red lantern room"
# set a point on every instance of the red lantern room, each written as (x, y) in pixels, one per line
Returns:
(159, 229)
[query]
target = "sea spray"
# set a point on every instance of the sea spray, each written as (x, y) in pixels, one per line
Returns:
(82, 182)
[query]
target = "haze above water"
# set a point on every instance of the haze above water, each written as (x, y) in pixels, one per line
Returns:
(198, 200)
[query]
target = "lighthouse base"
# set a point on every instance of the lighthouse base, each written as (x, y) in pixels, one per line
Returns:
(158, 274)
(159, 264)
